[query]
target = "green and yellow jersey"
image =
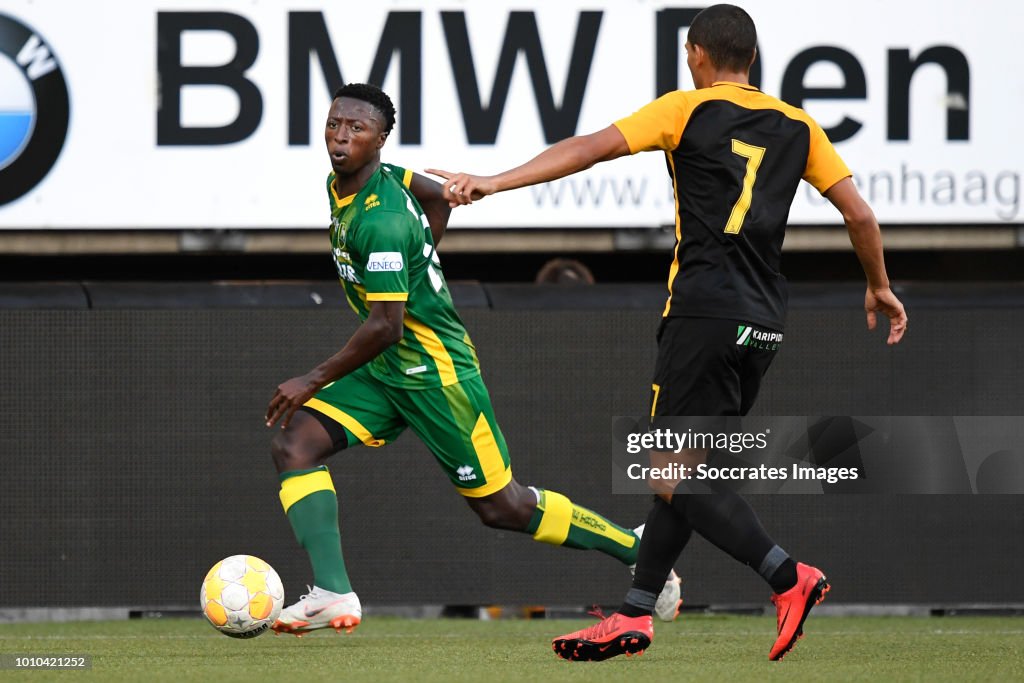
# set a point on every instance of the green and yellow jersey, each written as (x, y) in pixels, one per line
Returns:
(736, 157)
(383, 251)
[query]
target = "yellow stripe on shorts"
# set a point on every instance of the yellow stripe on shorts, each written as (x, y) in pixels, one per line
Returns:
(347, 421)
(488, 454)
(294, 489)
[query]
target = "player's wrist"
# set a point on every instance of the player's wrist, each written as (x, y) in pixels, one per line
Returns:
(316, 378)
(879, 286)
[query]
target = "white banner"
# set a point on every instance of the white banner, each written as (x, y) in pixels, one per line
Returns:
(188, 114)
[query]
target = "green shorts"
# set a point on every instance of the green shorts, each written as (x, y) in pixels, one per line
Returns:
(456, 423)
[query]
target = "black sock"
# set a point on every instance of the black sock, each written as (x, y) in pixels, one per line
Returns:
(783, 578)
(728, 521)
(665, 535)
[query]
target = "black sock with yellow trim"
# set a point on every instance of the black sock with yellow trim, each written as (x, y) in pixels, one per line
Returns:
(558, 521)
(311, 504)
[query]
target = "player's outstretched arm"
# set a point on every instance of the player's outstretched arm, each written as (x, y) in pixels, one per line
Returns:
(866, 238)
(430, 194)
(383, 327)
(561, 159)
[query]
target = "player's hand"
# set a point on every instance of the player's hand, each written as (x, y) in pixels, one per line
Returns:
(288, 398)
(885, 302)
(463, 188)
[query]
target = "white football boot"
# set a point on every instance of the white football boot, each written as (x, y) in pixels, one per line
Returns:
(669, 600)
(318, 609)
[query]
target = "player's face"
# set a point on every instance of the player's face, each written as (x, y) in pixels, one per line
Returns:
(354, 135)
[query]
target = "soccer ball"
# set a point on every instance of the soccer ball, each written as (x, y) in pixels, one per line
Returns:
(241, 596)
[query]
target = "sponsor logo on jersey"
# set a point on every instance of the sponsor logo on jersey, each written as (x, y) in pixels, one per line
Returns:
(758, 339)
(371, 202)
(384, 262)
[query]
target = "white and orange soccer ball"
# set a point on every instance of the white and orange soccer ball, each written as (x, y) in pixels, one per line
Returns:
(241, 596)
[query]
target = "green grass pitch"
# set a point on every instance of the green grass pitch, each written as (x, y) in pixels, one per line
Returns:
(724, 648)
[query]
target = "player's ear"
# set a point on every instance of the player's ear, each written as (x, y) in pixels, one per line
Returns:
(382, 139)
(753, 58)
(702, 55)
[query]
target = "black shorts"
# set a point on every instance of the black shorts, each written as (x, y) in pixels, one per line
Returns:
(710, 366)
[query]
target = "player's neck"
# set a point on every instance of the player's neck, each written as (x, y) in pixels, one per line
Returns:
(724, 75)
(351, 184)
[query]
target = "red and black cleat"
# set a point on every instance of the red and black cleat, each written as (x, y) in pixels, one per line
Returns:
(793, 606)
(616, 635)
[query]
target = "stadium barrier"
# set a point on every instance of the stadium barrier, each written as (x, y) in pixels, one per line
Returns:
(135, 454)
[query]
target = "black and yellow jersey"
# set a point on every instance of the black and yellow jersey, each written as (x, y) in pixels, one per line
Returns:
(736, 157)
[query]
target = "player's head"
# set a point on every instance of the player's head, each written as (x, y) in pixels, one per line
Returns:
(724, 37)
(358, 124)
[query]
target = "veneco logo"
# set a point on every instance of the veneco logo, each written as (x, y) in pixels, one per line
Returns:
(34, 109)
(384, 261)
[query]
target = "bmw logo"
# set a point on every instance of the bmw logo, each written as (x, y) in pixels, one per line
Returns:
(34, 109)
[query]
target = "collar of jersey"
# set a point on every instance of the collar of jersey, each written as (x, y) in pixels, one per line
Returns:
(341, 201)
(744, 86)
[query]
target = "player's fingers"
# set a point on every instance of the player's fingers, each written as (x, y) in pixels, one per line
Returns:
(872, 320)
(439, 173)
(897, 327)
(453, 188)
(456, 189)
(288, 416)
(464, 192)
(272, 417)
(272, 407)
(278, 409)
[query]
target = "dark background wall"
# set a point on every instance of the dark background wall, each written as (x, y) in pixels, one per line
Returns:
(134, 453)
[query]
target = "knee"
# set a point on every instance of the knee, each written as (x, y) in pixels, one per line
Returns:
(508, 517)
(493, 516)
(509, 509)
(288, 454)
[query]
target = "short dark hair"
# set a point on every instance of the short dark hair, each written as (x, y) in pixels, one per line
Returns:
(728, 35)
(373, 96)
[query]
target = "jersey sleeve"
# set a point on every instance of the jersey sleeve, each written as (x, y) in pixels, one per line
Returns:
(658, 125)
(825, 167)
(385, 245)
(403, 174)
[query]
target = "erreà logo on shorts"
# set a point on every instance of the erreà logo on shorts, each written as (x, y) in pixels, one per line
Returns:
(758, 339)
(34, 109)
(384, 262)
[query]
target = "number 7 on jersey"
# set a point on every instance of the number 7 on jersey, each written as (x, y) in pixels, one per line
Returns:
(754, 155)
